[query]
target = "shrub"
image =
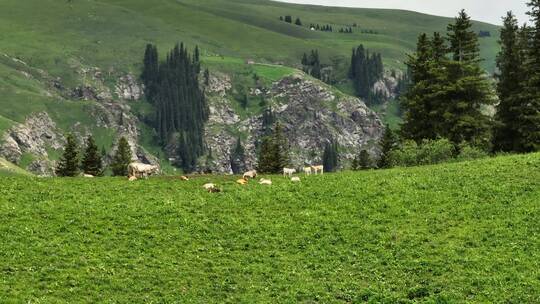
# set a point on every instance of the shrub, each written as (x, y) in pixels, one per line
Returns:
(435, 151)
(405, 155)
(468, 152)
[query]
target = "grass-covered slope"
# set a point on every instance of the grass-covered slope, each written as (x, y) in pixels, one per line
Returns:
(111, 34)
(454, 233)
(9, 169)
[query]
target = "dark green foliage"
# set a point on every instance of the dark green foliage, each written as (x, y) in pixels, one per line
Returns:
(243, 100)
(92, 163)
(428, 152)
(122, 158)
(150, 74)
(512, 78)
(288, 19)
(298, 22)
(331, 156)
(274, 152)
(268, 120)
(206, 77)
(323, 28)
(364, 160)
(312, 64)
(238, 158)
(181, 108)
(447, 96)
(68, 165)
(529, 113)
(365, 70)
(387, 144)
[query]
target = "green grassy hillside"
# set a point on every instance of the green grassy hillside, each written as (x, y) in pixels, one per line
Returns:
(111, 34)
(453, 233)
(9, 169)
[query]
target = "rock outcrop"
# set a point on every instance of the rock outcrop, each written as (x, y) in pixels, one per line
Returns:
(37, 134)
(311, 114)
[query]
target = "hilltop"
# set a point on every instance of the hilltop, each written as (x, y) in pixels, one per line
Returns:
(446, 233)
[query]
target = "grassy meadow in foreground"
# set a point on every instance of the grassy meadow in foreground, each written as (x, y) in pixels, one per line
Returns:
(453, 233)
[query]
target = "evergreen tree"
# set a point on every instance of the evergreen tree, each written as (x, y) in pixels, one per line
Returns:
(122, 158)
(529, 111)
(206, 77)
(419, 103)
(467, 90)
(298, 22)
(288, 19)
(330, 157)
(92, 163)
(68, 165)
(238, 158)
(364, 160)
(150, 72)
(388, 144)
(267, 161)
(511, 83)
(274, 152)
(355, 166)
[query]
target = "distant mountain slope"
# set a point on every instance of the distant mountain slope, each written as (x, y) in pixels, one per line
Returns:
(112, 33)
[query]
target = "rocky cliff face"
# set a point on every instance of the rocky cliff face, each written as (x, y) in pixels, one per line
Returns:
(311, 114)
(35, 136)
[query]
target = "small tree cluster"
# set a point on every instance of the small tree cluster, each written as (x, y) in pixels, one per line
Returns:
(365, 70)
(347, 30)
(289, 19)
(311, 64)
(323, 28)
(91, 163)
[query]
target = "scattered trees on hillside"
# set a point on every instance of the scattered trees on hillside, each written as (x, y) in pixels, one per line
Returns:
(122, 158)
(92, 163)
(347, 30)
(449, 89)
(68, 165)
(322, 28)
(365, 70)
(181, 108)
(274, 152)
(298, 22)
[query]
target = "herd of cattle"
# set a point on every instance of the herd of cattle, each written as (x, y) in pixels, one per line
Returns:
(139, 170)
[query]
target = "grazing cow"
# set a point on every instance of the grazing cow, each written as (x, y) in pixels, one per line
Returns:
(264, 181)
(184, 178)
(242, 181)
(132, 178)
(288, 171)
(250, 174)
(295, 179)
(307, 170)
(140, 170)
(317, 169)
(211, 188)
(88, 175)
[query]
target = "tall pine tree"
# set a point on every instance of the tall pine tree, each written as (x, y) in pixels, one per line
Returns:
(92, 163)
(122, 158)
(529, 112)
(68, 165)
(387, 144)
(467, 92)
(330, 156)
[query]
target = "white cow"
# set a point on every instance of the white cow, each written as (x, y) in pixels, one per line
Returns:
(140, 170)
(250, 174)
(317, 169)
(288, 171)
(308, 170)
(264, 181)
(295, 179)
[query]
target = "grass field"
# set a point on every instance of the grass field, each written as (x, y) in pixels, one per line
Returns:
(454, 233)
